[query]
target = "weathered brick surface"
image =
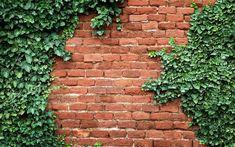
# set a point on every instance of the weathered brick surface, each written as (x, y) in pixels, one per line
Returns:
(102, 99)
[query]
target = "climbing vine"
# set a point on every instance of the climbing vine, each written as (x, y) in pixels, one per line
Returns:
(31, 34)
(202, 74)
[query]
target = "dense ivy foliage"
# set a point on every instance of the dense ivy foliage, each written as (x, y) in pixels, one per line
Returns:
(202, 74)
(31, 34)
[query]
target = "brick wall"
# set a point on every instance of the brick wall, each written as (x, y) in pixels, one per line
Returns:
(102, 99)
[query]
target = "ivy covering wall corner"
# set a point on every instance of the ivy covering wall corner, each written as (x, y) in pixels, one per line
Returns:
(31, 34)
(202, 74)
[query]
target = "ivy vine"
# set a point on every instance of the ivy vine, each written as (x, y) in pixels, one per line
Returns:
(202, 74)
(31, 34)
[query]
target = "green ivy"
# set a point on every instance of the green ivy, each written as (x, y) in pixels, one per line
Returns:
(32, 32)
(202, 74)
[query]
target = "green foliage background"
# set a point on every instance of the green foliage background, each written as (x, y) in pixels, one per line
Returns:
(31, 34)
(202, 74)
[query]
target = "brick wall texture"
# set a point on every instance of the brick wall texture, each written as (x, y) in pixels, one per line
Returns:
(102, 99)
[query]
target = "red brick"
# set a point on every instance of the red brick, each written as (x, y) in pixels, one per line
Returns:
(137, 34)
(161, 116)
(123, 116)
(106, 99)
(99, 134)
(104, 116)
(106, 124)
(170, 107)
(181, 125)
(133, 107)
(145, 125)
(80, 133)
(187, 18)
(166, 10)
(178, 3)
(94, 73)
(150, 26)
(163, 143)
(115, 107)
(166, 25)
(85, 141)
(138, 2)
(121, 65)
(179, 116)
(59, 73)
(147, 41)
(77, 107)
(91, 41)
(86, 99)
(141, 99)
(138, 65)
(129, 10)
(143, 143)
(74, 41)
(131, 74)
(188, 134)
(92, 58)
(95, 107)
(150, 108)
(97, 90)
(154, 134)
(156, 17)
(84, 116)
(126, 124)
(65, 115)
(70, 124)
(181, 40)
(174, 17)
(104, 65)
(68, 82)
(208, 2)
(113, 73)
(174, 33)
(129, 57)
(102, 82)
(55, 106)
(128, 42)
(162, 125)
(122, 83)
(85, 82)
(140, 115)
(158, 2)
(110, 41)
(89, 124)
(122, 142)
(133, 26)
(146, 10)
(138, 17)
(117, 134)
(185, 11)
(172, 135)
(76, 73)
(162, 41)
(183, 143)
(155, 73)
(111, 57)
(183, 25)
(136, 134)
(82, 33)
(77, 57)
(138, 82)
(136, 91)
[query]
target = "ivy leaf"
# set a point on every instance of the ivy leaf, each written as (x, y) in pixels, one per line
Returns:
(19, 74)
